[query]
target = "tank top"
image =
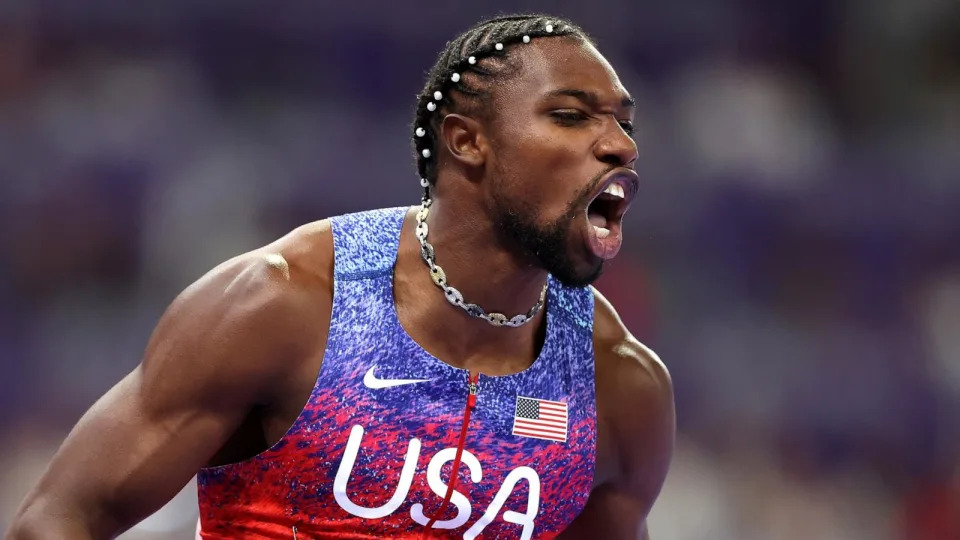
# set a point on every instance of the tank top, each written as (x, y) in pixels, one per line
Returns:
(371, 454)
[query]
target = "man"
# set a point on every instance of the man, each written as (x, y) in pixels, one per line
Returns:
(553, 417)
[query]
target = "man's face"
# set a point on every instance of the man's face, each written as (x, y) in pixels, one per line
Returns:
(558, 135)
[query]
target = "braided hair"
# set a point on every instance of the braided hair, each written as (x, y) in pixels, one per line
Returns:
(466, 71)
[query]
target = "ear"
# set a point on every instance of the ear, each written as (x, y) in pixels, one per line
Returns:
(464, 139)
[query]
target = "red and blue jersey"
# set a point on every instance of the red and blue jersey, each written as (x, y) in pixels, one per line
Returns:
(371, 455)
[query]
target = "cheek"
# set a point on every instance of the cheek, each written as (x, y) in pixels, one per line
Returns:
(551, 144)
(559, 171)
(537, 140)
(543, 165)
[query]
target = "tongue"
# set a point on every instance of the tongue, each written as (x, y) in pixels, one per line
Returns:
(597, 219)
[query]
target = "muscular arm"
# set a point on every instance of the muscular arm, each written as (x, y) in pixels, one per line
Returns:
(636, 416)
(216, 353)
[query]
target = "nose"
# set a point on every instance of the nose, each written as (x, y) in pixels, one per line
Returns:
(615, 147)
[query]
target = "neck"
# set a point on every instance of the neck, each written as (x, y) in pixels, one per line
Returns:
(487, 272)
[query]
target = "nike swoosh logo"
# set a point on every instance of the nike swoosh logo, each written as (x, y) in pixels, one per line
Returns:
(371, 381)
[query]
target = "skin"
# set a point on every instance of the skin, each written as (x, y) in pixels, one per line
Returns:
(234, 359)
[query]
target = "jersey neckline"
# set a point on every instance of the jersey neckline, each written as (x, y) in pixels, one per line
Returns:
(550, 319)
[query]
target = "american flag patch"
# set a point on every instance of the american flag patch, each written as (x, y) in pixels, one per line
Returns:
(540, 419)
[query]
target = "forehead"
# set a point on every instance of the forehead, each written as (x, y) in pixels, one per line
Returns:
(548, 64)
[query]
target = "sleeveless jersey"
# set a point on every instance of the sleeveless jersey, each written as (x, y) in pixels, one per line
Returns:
(371, 454)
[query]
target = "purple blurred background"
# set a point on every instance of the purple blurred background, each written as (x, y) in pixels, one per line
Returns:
(794, 256)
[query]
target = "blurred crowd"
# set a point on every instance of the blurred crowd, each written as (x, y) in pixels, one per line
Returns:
(794, 255)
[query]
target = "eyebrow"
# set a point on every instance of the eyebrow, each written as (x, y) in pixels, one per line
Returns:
(588, 97)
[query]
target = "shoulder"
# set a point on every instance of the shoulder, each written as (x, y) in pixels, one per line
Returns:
(637, 367)
(275, 280)
(635, 395)
(240, 325)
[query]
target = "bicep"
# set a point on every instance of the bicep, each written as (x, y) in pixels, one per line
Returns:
(206, 366)
(641, 434)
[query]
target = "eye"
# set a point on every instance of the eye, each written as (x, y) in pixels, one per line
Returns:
(627, 128)
(568, 117)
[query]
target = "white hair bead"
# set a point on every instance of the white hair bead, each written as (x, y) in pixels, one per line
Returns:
(455, 77)
(426, 152)
(431, 106)
(549, 28)
(472, 60)
(420, 132)
(526, 39)
(424, 182)
(437, 95)
(498, 46)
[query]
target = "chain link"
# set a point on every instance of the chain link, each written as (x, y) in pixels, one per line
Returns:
(454, 296)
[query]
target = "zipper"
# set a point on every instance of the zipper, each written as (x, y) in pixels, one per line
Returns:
(473, 386)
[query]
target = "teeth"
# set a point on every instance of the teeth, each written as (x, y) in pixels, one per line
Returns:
(615, 189)
(601, 232)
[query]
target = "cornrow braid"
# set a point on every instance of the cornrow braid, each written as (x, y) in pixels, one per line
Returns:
(466, 71)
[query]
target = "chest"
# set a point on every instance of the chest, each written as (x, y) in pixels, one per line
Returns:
(496, 410)
(375, 447)
(385, 419)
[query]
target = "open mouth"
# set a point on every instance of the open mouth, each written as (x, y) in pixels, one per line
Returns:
(606, 210)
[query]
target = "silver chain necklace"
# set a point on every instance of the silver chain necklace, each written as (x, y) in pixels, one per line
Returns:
(453, 295)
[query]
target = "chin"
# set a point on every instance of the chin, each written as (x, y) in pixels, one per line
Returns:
(568, 261)
(577, 275)
(557, 246)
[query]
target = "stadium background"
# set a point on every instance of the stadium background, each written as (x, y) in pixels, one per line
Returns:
(793, 255)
